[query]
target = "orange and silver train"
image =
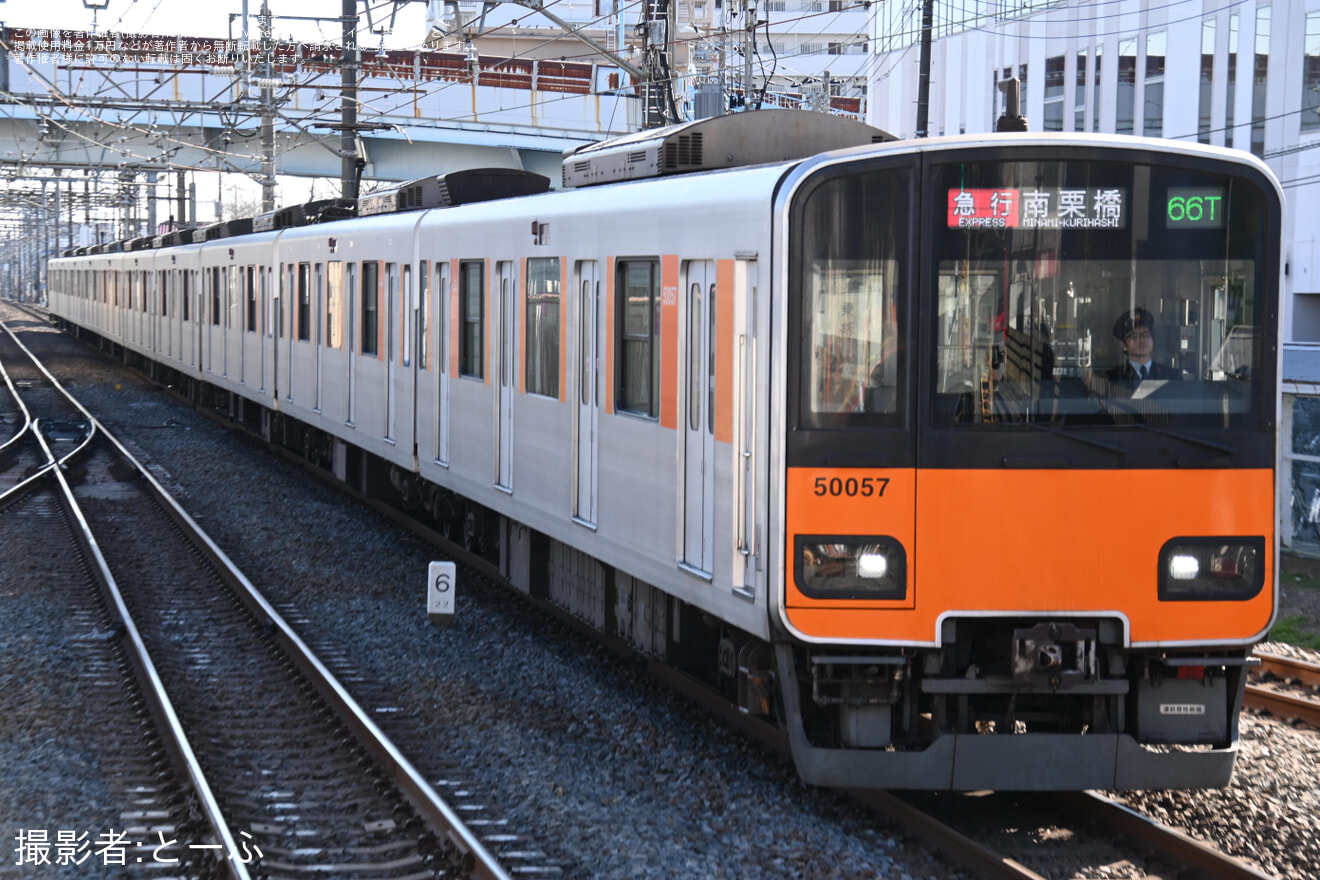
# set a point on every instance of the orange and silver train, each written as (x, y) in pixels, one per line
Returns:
(954, 457)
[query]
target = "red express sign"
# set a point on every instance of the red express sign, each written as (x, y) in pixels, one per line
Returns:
(971, 208)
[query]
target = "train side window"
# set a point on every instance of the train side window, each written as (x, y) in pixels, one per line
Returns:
(472, 318)
(637, 385)
(542, 358)
(334, 304)
(370, 311)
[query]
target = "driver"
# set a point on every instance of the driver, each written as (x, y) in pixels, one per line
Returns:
(1134, 329)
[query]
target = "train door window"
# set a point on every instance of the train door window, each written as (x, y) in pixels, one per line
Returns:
(542, 358)
(471, 316)
(637, 287)
(288, 302)
(187, 291)
(251, 299)
(406, 327)
(319, 331)
(423, 313)
(263, 279)
(442, 318)
(370, 309)
(215, 294)
(304, 302)
(711, 344)
(334, 304)
(164, 295)
(695, 373)
(268, 301)
(350, 290)
(233, 280)
(586, 375)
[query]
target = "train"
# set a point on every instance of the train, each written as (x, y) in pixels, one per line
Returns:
(857, 430)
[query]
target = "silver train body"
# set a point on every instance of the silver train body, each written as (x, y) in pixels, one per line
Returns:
(591, 387)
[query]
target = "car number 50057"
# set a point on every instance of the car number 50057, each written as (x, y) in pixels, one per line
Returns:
(852, 486)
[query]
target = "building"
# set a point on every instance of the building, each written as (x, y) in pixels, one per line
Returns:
(1242, 75)
(1239, 75)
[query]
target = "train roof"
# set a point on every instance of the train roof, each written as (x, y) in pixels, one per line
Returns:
(758, 137)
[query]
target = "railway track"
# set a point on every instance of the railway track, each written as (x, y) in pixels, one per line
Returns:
(1286, 688)
(935, 820)
(981, 859)
(252, 732)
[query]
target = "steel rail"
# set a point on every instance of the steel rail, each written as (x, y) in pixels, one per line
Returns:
(1167, 843)
(172, 734)
(31, 481)
(1283, 705)
(63, 392)
(27, 416)
(1280, 703)
(1288, 667)
(945, 841)
(476, 860)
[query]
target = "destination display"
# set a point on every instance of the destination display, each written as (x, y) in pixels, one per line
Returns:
(1080, 208)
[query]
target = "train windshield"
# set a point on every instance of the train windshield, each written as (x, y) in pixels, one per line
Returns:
(1096, 293)
(854, 245)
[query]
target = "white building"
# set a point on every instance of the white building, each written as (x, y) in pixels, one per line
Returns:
(1243, 75)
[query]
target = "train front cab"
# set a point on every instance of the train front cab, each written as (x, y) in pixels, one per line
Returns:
(1005, 565)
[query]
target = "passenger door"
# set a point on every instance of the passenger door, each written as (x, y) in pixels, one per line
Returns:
(588, 399)
(442, 324)
(507, 370)
(390, 315)
(318, 326)
(699, 425)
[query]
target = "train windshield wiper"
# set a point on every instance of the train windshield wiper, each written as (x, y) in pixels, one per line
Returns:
(1188, 438)
(1089, 441)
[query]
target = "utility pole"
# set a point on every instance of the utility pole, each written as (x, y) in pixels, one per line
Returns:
(348, 106)
(180, 180)
(267, 112)
(749, 47)
(657, 30)
(923, 80)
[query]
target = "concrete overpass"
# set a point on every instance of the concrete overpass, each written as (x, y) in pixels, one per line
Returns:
(144, 103)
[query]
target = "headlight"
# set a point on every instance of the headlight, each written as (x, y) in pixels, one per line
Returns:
(1212, 568)
(850, 567)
